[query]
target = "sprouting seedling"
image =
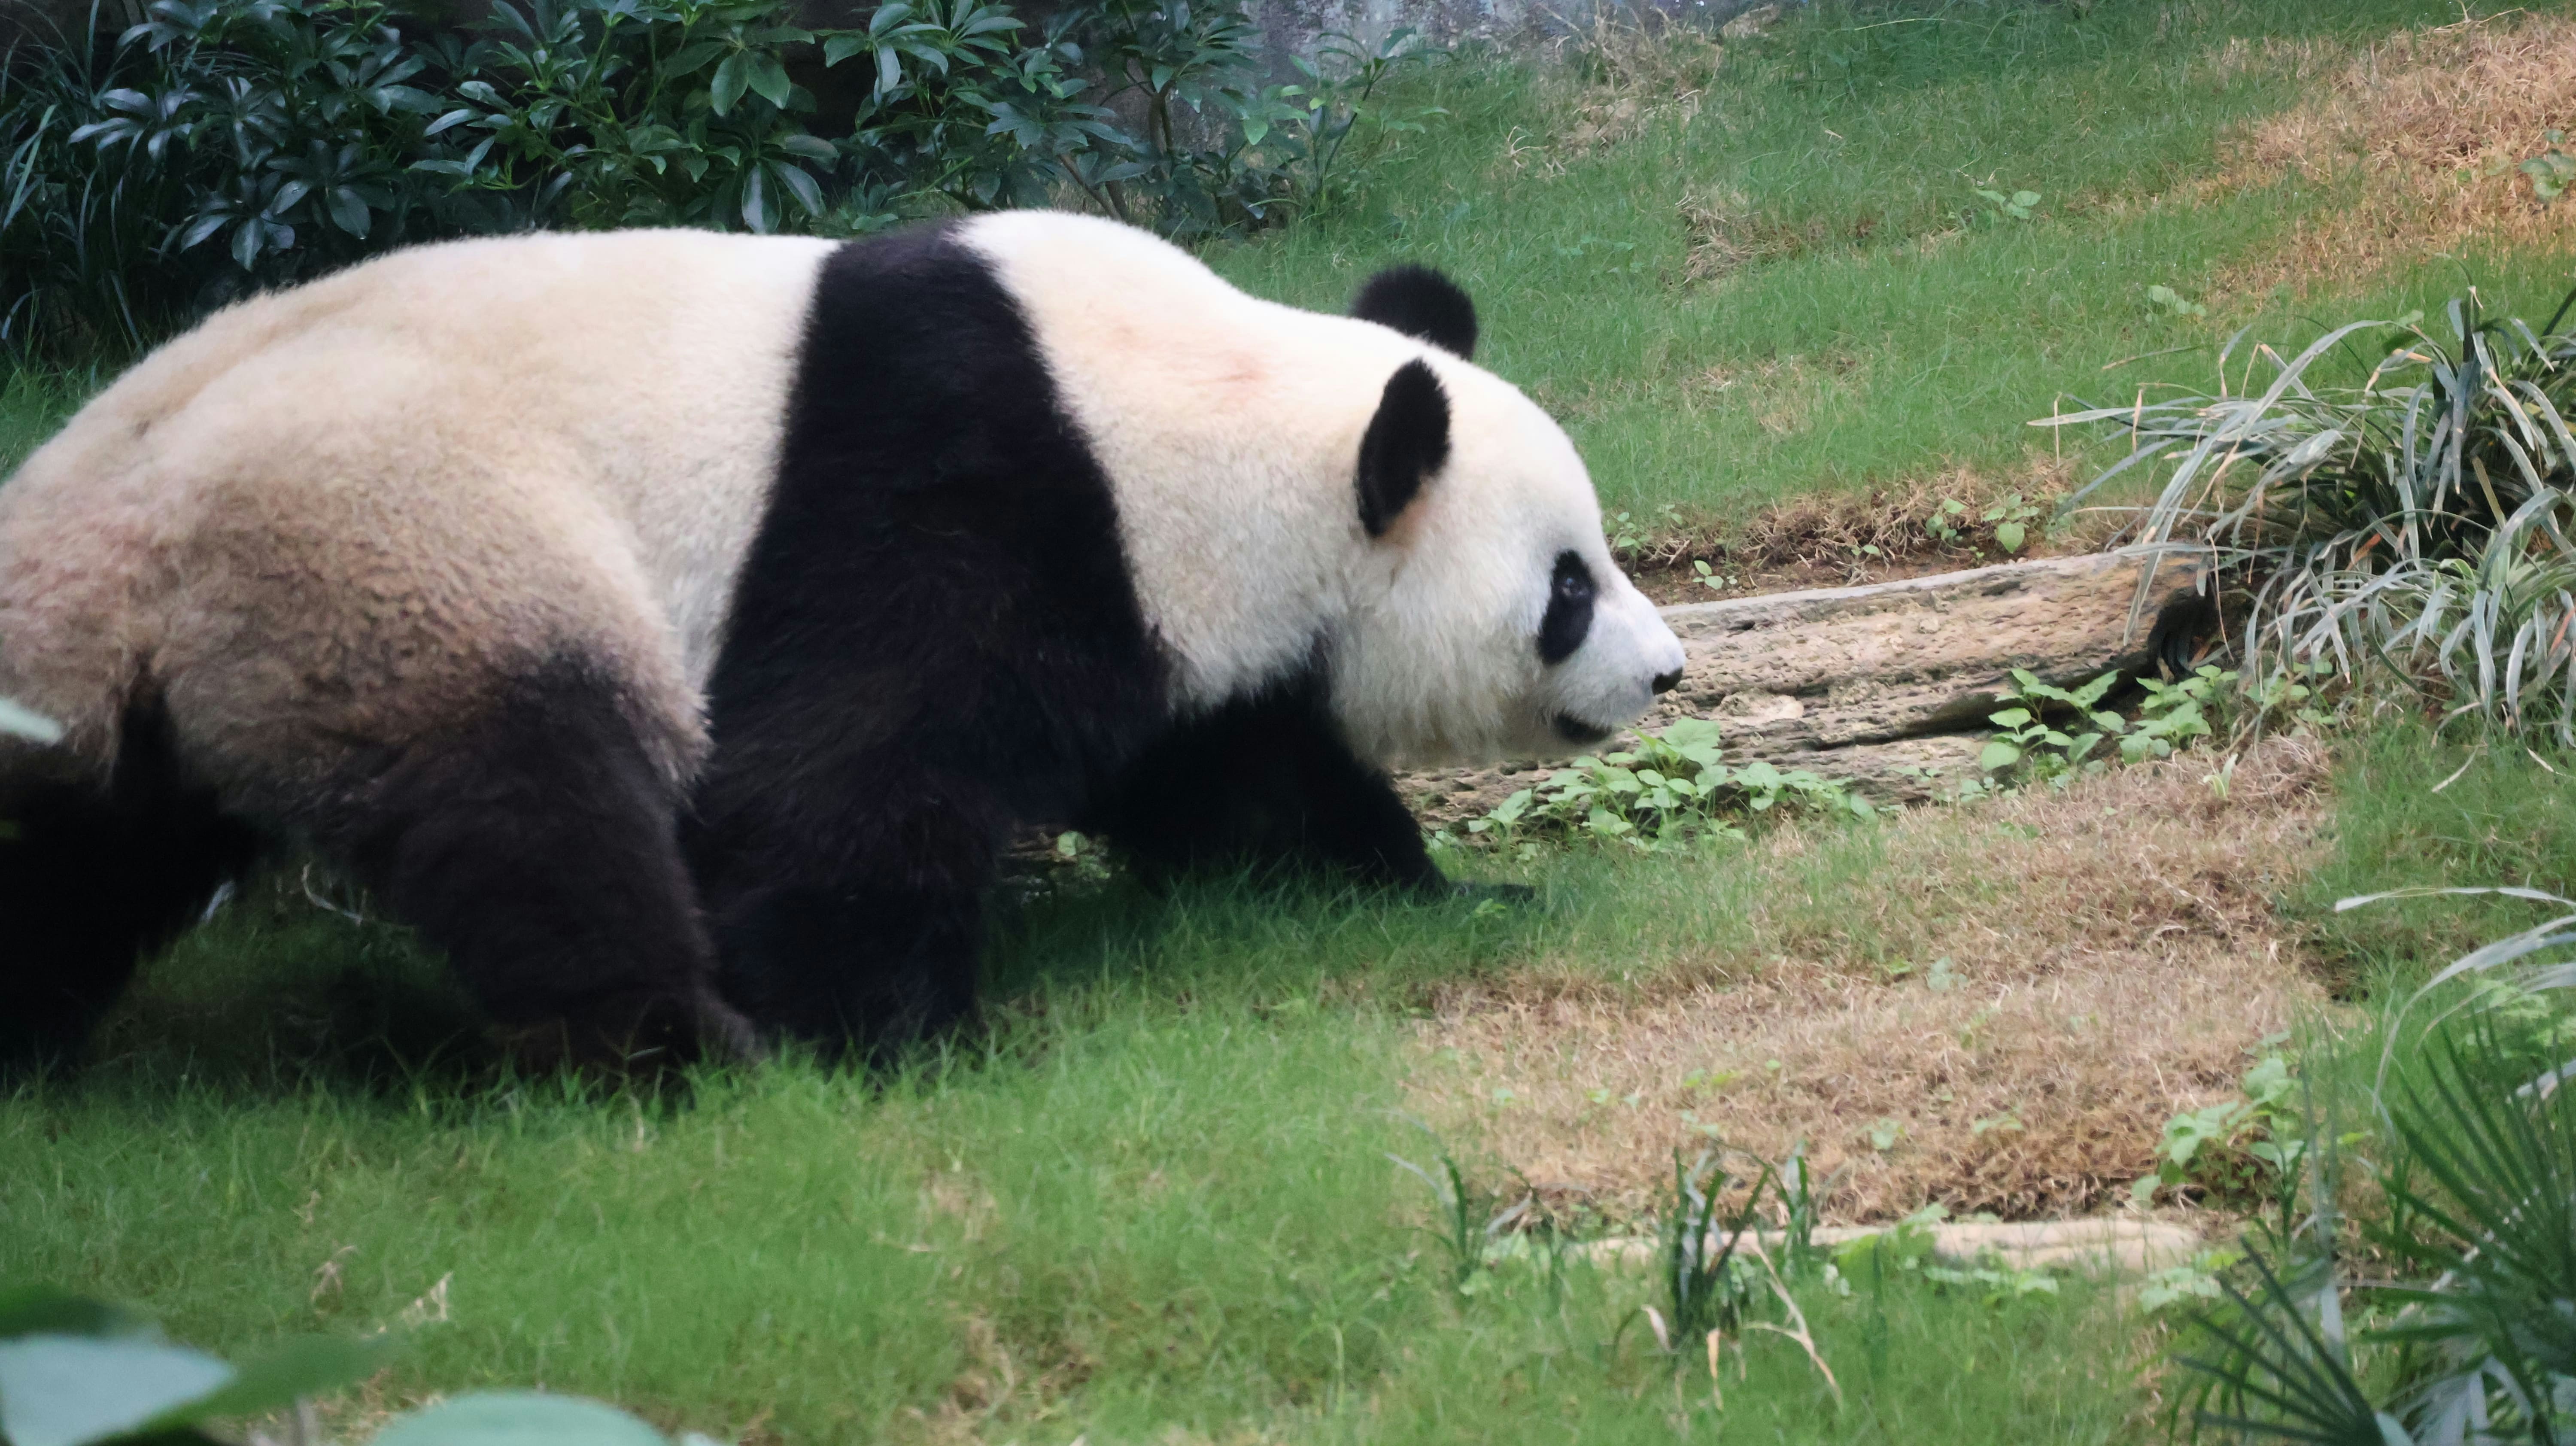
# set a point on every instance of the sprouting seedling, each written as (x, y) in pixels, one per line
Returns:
(2018, 205)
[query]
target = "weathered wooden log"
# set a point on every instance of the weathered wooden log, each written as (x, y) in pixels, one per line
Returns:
(1887, 687)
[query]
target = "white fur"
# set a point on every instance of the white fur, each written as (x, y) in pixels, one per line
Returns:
(1230, 427)
(402, 480)
(398, 477)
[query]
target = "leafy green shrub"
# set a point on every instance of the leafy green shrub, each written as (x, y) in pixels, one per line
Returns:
(224, 145)
(2030, 744)
(1672, 788)
(2415, 523)
(2462, 1333)
(2461, 1329)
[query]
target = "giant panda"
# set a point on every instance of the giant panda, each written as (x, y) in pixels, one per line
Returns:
(674, 627)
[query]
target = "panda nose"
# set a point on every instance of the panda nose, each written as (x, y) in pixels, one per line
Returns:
(1667, 682)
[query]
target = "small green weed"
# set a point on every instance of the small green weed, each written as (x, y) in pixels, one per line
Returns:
(2165, 301)
(1472, 1221)
(1714, 1283)
(2018, 206)
(2552, 169)
(2028, 743)
(2235, 1148)
(2011, 519)
(1669, 790)
(2189, 1284)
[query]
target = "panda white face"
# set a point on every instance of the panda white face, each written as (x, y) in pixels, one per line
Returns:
(1496, 623)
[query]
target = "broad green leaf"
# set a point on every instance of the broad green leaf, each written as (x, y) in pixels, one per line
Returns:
(2009, 535)
(41, 1309)
(26, 722)
(300, 1366)
(731, 78)
(768, 79)
(349, 211)
(689, 59)
(799, 184)
(1997, 754)
(519, 1418)
(58, 1390)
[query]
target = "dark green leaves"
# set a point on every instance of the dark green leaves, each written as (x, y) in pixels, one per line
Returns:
(76, 1371)
(62, 1390)
(519, 1418)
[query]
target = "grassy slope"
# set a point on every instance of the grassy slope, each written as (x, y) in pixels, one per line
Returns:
(1158, 1195)
(1915, 353)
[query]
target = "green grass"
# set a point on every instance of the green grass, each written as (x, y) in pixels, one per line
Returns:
(1872, 127)
(1153, 1201)
(1156, 1194)
(33, 403)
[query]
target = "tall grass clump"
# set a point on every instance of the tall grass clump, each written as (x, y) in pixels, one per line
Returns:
(2412, 524)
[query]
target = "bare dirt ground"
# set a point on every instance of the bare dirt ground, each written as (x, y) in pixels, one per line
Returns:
(1999, 1015)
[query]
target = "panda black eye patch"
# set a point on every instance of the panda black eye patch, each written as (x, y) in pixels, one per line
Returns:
(1570, 591)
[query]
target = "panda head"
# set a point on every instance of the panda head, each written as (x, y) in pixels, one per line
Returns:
(1488, 619)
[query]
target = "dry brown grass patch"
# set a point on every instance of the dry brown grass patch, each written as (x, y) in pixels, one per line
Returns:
(2430, 127)
(1727, 234)
(2112, 956)
(1618, 80)
(1823, 539)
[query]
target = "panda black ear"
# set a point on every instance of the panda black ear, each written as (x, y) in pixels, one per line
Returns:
(1406, 442)
(1421, 303)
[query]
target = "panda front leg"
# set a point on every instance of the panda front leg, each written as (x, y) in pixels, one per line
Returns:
(847, 917)
(1266, 782)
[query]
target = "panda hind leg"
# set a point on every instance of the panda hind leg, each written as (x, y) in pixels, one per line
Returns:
(94, 875)
(538, 848)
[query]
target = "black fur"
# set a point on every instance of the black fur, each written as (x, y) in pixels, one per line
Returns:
(1421, 303)
(539, 849)
(1568, 620)
(91, 879)
(1265, 782)
(934, 639)
(935, 642)
(1406, 442)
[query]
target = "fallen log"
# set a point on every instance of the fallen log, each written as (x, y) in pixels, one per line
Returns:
(1887, 687)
